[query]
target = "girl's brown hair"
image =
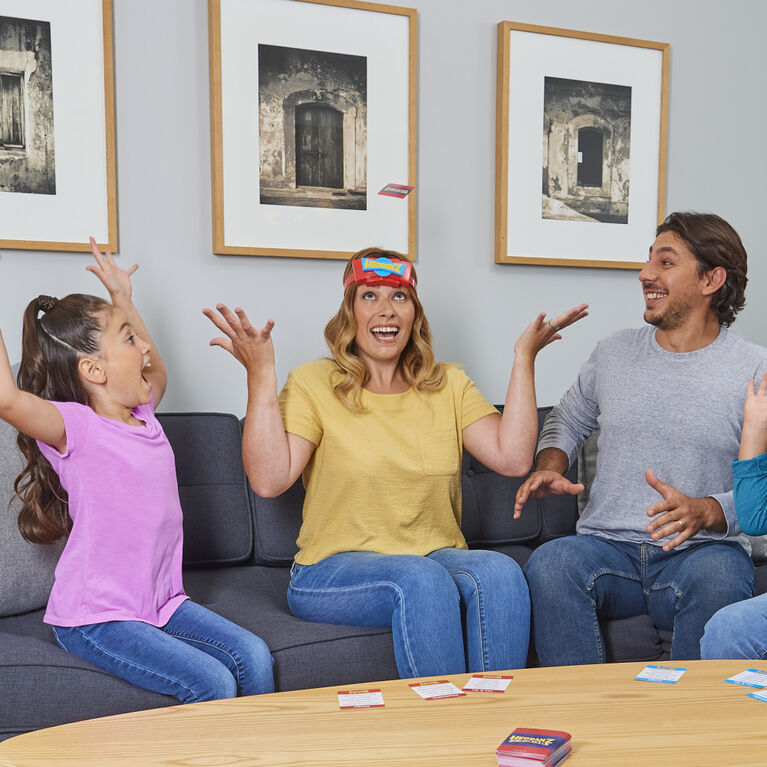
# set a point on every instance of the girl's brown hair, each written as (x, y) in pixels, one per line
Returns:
(417, 363)
(51, 349)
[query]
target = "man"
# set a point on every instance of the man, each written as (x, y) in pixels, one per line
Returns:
(668, 401)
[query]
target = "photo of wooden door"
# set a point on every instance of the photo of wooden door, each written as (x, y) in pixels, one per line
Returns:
(319, 146)
(590, 158)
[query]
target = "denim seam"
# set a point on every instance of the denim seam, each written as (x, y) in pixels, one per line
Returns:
(132, 664)
(401, 600)
(601, 650)
(480, 615)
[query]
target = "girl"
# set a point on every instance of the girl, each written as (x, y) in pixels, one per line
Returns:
(101, 471)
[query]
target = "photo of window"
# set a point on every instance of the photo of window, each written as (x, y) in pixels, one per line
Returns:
(27, 152)
(58, 180)
(580, 147)
(586, 150)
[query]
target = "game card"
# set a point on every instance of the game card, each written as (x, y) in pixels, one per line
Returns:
(487, 683)
(753, 677)
(667, 674)
(436, 689)
(758, 695)
(360, 699)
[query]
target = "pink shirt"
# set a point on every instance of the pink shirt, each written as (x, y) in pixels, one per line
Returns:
(122, 560)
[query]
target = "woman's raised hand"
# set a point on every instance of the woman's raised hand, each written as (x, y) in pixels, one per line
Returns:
(249, 345)
(115, 280)
(541, 332)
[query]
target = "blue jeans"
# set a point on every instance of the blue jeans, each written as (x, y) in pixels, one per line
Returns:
(737, 631)
(422, 599)
(577, 580)
(196, 655)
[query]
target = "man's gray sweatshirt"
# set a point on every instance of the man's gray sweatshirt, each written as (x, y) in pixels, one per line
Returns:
(679, 414)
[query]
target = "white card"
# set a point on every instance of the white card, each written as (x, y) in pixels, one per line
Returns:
(667, 674)
(360, 699)
(758, 696)
(436, 689)
(487, 683)
(751, 678)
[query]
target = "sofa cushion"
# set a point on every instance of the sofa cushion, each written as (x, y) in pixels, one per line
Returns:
(44, 686)
(26, 569)
(305, 654)
(212, 486)
(276, 525)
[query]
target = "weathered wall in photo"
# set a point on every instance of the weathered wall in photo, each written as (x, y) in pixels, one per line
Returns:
(26, 107)
(290, 78)
(571, 106)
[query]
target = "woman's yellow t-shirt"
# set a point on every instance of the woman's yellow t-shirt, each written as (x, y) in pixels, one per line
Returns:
(388, 479)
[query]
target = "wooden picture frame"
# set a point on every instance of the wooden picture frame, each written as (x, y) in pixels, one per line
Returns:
(57, 125)
(296, 165)
(596, 192)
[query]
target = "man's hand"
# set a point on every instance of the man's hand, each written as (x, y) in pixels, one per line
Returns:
(541, 483)
(679, 515)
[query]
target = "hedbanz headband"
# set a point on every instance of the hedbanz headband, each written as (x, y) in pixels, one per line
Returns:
(381, 271)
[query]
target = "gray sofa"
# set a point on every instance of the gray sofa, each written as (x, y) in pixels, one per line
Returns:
(238, 548)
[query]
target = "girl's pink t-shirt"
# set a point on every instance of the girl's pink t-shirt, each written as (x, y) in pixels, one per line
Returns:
(122, 560)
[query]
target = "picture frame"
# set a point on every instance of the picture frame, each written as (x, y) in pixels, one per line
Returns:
(313, 115)
(580, 147)
(57, 125)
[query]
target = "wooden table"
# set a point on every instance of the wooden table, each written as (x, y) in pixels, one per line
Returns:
(700, 721)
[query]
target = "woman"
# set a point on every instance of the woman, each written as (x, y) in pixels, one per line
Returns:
(377, 432)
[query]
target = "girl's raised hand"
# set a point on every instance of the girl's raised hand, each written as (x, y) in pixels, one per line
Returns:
(542, 332)
(251, 346)
(115, 280)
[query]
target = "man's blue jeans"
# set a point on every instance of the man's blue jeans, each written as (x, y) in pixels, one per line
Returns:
(737, 631)
(422, 599)
(577, 580)
(196, 655)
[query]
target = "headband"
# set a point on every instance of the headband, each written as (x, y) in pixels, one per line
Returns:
(381, 271)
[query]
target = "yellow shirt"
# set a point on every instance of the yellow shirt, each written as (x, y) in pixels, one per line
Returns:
(387, 480)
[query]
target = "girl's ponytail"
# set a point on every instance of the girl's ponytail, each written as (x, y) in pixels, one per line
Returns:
(51, 349)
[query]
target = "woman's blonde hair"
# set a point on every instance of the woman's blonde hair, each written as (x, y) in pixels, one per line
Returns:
(417, 363)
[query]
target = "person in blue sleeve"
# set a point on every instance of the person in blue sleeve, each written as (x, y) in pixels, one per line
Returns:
(740, 630)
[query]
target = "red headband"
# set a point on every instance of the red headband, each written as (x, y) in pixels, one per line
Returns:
(381, 271)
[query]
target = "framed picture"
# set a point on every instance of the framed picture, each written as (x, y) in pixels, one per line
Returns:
(57, 136)
(580, 147)
(313, 127)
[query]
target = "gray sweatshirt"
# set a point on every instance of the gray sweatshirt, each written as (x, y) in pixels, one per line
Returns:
(677, 414)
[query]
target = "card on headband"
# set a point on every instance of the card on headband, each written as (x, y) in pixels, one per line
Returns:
(381, 271)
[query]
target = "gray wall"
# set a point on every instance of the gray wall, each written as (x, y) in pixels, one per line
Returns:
(476, 308)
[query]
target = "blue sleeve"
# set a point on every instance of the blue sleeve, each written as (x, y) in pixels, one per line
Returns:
(750, 492)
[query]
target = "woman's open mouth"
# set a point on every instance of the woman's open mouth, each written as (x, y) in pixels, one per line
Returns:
(385, 333)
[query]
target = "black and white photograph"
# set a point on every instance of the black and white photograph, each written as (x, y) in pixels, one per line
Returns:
(58, 181)
(586, 151)
(313, 110)
(312, 128)
(581, 139)
(27, 149)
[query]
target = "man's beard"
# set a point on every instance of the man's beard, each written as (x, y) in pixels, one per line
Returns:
(674, 317)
